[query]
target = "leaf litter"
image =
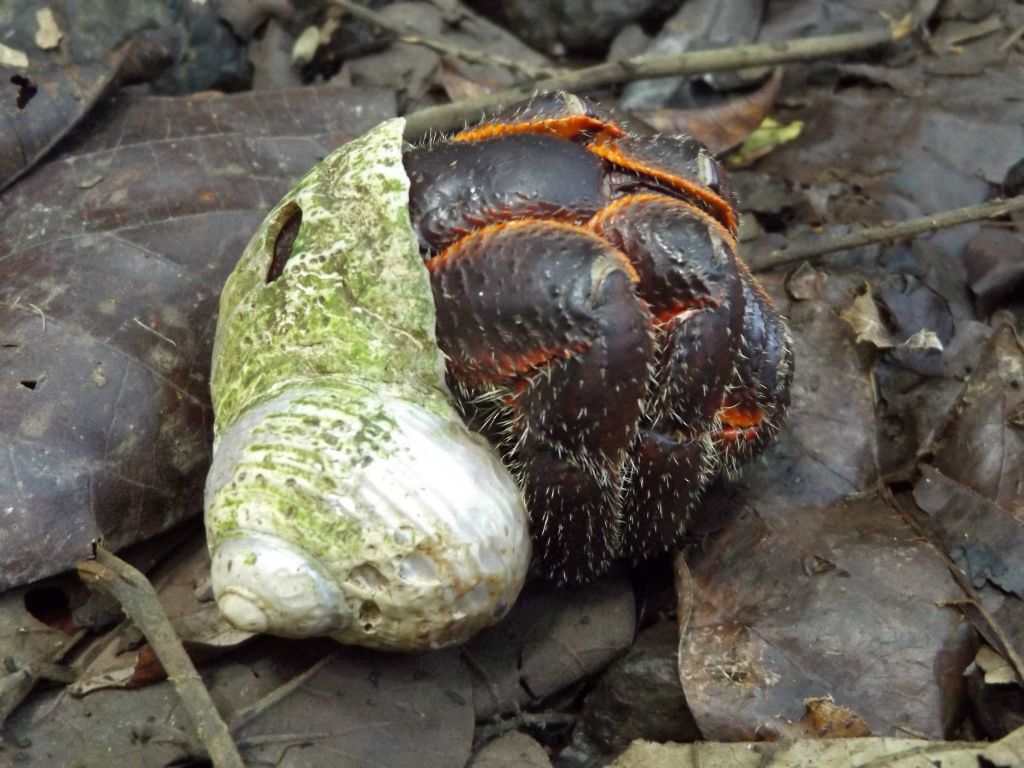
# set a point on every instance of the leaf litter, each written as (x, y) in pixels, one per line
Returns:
(817, 604)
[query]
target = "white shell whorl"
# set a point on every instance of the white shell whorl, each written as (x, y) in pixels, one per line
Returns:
(422, 537)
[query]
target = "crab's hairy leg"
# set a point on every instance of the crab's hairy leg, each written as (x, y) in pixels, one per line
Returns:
(681, 167)
(456, 188)
(687, 267)
(558, 114)
(546, 314)
(758, 392)
(574, 515)
(669, 478)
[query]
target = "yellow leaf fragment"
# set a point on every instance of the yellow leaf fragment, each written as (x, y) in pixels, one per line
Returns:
(766, 137)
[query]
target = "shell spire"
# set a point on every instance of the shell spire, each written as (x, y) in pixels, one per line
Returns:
(346, 496)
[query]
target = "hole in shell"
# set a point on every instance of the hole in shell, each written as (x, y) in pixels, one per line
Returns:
(417, 568)
(368, 576)
(369, 615)
(290, 220)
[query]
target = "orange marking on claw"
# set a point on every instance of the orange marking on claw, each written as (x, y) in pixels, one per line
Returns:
(602, 147)
(569, 127)
(597, 221)
(457, 249)
(734, 434)
(504, 367)
(668, 314)
(739, 418)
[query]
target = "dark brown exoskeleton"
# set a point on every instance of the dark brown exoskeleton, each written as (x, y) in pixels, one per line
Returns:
(598, 322)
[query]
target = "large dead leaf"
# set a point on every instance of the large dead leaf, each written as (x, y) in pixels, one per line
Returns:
(550, 639)
(111, 261)
(843, 602)
(44, 103)
(984, 447)
(362, 709)
(983, 539)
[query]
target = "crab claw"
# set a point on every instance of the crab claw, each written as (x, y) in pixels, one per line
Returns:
(758, 394)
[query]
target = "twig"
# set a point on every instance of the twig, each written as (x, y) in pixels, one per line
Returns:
(408, 35)
(887, 233)
(1012, 39)
(541, 720)
(245, 715)
(132, 590)
(19, 682)
(449, 116)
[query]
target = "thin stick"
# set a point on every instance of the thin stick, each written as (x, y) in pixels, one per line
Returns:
(245, 715)
(887, 233)
(112, 575)
(455, 115)
(408, 35)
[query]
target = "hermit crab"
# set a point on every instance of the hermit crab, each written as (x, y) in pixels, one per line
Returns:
(597, 321)
(573, 289)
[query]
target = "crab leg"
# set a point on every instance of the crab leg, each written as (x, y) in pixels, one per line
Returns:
(456, 188)
(541, 319)
(758, 391)
(687, 266)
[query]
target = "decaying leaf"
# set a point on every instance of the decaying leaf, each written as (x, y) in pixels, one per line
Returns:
(359, 708)
(985, 540)
(723, 127)
(842, 602)
(865, 320)
(110, 289)
(362, 708)
(838, 753)
(550, 639)
(52, 100)
(984, 447)
(995, 268)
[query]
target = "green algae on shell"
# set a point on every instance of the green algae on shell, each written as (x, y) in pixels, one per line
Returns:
(346, 497)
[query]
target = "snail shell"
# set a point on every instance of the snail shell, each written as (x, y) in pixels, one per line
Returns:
(346, 497)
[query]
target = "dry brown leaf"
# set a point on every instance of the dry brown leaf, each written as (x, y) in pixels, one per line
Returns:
(458, 86)
(864, 318)
(723, 127)
(109, 289)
